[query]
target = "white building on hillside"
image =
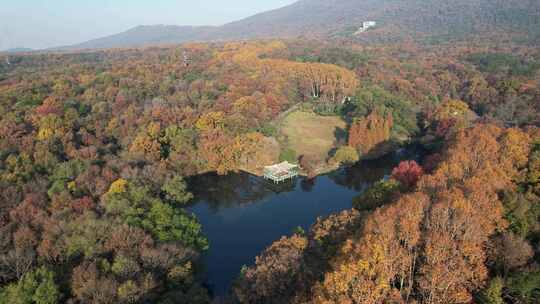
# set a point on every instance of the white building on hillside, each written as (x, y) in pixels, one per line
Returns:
(365, 26)
(368, 24)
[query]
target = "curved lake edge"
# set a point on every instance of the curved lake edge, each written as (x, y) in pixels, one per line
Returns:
(242, 214)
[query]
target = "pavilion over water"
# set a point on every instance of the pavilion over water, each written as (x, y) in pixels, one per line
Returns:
(281, 172)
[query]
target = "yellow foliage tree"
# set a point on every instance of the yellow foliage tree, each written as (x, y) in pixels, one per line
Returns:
(146, 146)
(118, 186)
(210, 121)
(50, 126)
(457, 111)
(345, 154)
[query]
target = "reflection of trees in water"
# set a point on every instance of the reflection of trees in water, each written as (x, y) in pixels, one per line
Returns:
(287, 186)
(359, 176)
(237, 189)
(233, 189)
(307, 184)
(365, 173)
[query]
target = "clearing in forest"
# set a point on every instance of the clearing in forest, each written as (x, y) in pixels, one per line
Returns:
(312, 135)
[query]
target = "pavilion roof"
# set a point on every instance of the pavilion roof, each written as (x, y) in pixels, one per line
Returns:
(284, 166)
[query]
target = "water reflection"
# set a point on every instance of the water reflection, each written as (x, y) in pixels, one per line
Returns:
(241, 188)
(234, 189)
(365, 173)
(242, 214)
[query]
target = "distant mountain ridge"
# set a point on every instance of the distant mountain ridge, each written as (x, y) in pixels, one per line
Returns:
(17, 50)
(323, 18)
(146, 35)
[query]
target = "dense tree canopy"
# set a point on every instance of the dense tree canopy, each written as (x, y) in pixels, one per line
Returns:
(95, 148)
(430, 245)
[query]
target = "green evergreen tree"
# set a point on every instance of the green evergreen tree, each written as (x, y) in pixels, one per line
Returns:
(493, 292)
(37, 287)
(525, 286)
(176, 190)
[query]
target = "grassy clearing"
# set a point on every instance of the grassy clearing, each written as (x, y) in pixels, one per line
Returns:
(312, 135)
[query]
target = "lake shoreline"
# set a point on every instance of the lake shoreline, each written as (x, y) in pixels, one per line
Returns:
(242, 214)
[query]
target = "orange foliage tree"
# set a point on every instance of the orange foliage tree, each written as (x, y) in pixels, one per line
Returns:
(429, 246)
(367, 133)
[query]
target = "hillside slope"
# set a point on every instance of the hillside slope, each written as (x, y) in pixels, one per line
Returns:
(410, 17)
(145, 35)
(324, 18)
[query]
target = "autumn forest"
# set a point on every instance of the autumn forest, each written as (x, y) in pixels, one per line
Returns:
(96, 148)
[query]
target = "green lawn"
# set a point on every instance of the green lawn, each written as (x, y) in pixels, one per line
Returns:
(312, 135)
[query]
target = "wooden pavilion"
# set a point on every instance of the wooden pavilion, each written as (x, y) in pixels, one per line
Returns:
(281, 172)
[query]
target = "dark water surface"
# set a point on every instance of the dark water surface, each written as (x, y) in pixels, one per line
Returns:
(242, 214)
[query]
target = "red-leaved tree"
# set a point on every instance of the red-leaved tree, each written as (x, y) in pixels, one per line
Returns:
(408, 173)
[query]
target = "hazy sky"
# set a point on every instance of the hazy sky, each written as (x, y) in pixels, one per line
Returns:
(48, 23)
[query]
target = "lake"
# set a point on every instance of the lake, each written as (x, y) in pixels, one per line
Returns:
(242, 214)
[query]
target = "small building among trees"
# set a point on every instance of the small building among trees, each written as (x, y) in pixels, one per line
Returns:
(365, 26)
